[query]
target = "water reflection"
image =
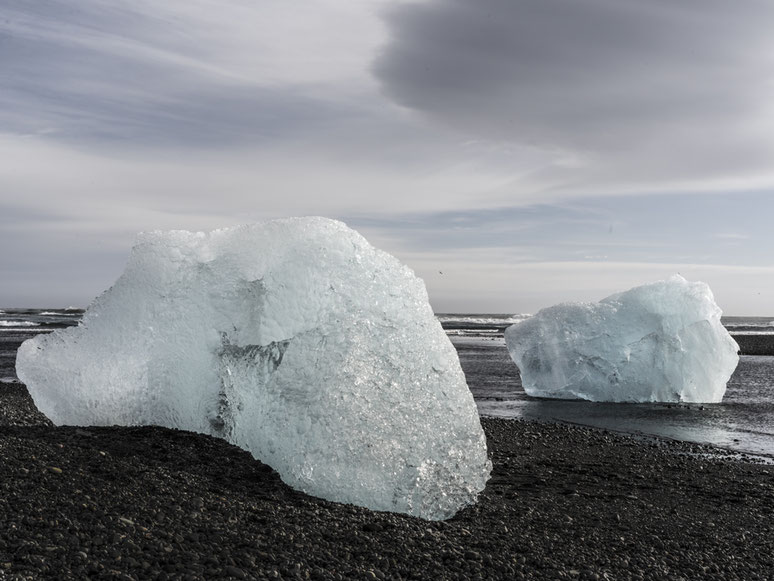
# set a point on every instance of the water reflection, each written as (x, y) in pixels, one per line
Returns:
(744, 422)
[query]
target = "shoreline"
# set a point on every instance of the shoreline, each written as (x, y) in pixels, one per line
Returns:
(750, 344)
(564, 502)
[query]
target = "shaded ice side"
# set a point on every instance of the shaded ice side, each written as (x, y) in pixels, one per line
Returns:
(294, 339)
(660, 342)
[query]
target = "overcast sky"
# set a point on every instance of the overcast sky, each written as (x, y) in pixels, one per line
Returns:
(515, 153)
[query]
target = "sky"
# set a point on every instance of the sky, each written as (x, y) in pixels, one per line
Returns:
(514, 153)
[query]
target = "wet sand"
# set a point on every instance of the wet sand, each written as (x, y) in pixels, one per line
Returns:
(564, 502)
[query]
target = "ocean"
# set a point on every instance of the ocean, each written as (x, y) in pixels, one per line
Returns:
(743, 422)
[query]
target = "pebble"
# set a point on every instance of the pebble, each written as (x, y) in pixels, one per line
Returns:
(236, 572)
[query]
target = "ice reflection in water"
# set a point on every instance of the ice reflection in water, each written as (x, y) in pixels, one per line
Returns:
(744, 422)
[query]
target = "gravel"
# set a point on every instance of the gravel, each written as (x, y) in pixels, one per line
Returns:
(564, 502)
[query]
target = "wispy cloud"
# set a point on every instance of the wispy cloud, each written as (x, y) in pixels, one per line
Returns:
(192, 74)
(530, 286)
(732, 236)
(641, 228)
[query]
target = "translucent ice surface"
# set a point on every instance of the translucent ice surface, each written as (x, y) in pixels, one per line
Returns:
(659, 342)
(294, 339)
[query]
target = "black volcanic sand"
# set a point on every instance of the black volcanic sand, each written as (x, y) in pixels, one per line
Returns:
(563, 503)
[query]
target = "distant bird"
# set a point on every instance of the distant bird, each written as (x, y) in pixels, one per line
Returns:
(440, 272)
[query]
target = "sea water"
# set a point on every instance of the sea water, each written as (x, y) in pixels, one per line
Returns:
(18, 325)
(743, 422)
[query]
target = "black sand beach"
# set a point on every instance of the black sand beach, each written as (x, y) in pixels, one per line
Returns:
(563, 503)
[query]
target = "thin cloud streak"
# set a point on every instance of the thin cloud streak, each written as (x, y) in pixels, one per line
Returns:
(528, 287)
(630, 228)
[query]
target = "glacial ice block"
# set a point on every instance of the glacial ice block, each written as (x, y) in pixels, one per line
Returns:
(294, 339)
(660, 342)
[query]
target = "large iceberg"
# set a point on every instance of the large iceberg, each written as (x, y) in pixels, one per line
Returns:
(660, 342)
(294, 339)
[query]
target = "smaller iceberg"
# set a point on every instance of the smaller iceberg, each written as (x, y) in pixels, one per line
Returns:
(660, 342)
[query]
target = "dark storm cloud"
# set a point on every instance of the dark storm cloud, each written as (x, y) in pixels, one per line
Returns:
(592, 75)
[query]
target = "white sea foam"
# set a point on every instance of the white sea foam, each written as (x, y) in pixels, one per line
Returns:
(18, 324)
(482, 319)
(476, 333)
(764, 333)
